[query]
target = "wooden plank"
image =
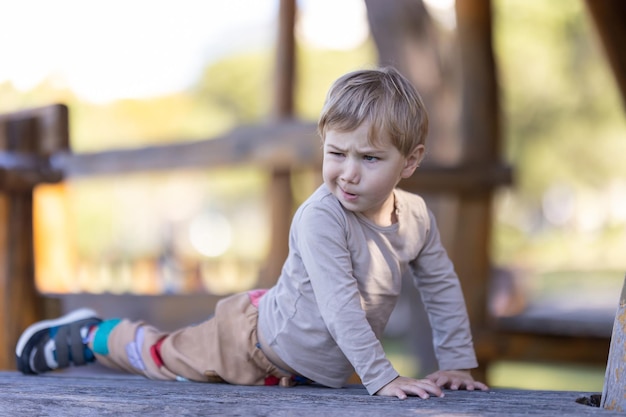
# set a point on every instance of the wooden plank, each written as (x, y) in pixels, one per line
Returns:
(206, 155)
(534, 347)
(614, 390)
(94, 395)
(582, 322)
(461, 179)
(273, 145)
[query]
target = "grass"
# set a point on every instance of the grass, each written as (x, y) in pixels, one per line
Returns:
(551, 283)
(551, 377)
(520, 375)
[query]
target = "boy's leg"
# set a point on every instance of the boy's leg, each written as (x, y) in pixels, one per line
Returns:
(224, 348)
(80, 337)
(129, 346)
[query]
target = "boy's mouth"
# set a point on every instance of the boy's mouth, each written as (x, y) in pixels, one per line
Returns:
(348, 196)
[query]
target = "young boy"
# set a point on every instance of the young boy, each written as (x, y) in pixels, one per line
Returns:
(351, 243)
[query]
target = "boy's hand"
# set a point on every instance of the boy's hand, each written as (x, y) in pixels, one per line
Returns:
(455, 380)
(403, 386)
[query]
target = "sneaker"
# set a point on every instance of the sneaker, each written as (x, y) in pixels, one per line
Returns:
(53, 344)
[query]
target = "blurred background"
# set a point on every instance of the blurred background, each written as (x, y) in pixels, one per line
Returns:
(142, 73)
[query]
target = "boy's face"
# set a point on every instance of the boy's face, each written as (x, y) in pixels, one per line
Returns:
(362, 176)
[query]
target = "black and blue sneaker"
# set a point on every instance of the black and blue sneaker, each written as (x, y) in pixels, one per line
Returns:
(54, 344)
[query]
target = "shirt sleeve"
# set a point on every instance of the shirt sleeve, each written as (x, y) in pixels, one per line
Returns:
(443, 299)
(323, 246)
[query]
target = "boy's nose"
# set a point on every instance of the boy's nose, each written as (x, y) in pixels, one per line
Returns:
(351, 172)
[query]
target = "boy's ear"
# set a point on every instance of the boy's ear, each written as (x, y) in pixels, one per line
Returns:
(413, 160)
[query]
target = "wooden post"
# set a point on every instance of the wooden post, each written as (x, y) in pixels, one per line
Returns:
(614, 390)
(281, 198)
(480, 128)
(27, 139)
(285, 61)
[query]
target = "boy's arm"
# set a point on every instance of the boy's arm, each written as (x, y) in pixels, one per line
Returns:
(441, 293)
(324, 250)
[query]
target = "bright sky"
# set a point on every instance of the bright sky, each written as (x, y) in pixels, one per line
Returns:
(111, 49)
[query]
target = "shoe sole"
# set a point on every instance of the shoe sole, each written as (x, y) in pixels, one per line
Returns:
(33, 329)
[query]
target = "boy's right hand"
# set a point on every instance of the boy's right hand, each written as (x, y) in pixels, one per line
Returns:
(402, 386)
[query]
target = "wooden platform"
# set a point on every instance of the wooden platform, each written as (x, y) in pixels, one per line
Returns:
(89, 395)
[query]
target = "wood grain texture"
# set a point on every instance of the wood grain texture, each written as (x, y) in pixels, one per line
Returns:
(58, 395)
(614, 390)
(35, 133)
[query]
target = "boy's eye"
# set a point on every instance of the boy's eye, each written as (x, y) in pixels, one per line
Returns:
(336, 153)
(370, 158)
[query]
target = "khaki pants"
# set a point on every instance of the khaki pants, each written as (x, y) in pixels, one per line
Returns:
(223, 348)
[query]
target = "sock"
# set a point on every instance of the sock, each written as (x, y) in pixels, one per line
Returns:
(99, 336)
(133, 350)
(155, 352)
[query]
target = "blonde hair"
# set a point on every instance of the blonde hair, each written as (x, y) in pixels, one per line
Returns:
(384, 98)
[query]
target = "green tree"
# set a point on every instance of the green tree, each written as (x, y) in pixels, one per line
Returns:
(564, 123)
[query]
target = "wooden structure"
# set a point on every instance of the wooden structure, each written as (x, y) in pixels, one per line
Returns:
(614, 391)
(27, 140)
(74, 395)
(34, 149)
(554, 339)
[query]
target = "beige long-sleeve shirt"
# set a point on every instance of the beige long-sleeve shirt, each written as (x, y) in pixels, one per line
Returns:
(326, 314)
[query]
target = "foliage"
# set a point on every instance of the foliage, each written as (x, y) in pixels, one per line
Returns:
(563, 121)
(558, 92)
(564, 127)
(240, 86)
(317, 69)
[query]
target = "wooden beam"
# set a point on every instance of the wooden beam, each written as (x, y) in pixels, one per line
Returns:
(295, 154)
(534, 347)
(476, 180)
(274, 145)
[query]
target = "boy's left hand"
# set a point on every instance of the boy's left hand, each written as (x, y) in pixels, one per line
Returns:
(455, 380)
